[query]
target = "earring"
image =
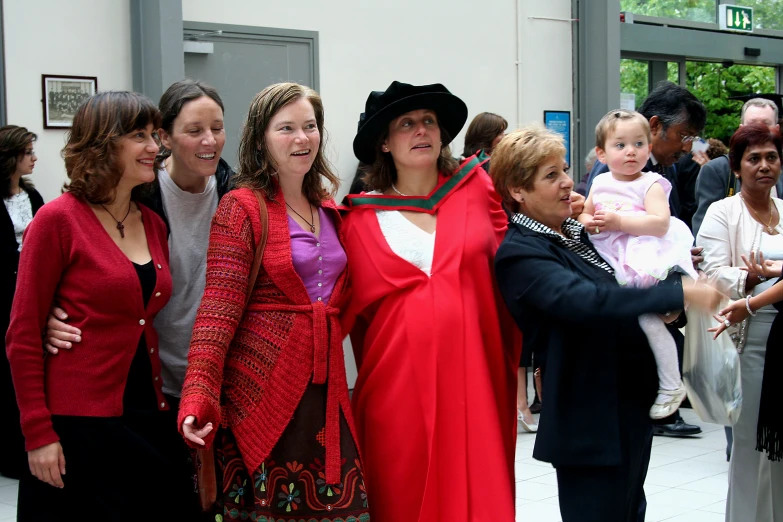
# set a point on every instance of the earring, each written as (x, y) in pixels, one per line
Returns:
(385, 148)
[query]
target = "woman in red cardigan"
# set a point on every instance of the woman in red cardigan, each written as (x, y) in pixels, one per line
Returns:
(268, 368)
(104, 257)
(437, 354)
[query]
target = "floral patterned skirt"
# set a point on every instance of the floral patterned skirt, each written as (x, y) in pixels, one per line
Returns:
(290, 485)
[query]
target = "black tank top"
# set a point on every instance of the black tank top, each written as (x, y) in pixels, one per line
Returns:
(139, 389)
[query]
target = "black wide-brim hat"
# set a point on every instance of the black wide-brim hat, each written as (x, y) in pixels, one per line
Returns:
(382, 107)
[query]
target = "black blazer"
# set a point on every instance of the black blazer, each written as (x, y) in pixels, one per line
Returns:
(9, 255)
(597, 355)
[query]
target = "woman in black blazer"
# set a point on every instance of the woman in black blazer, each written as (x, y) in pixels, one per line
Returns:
(20, 203)
(601, 375)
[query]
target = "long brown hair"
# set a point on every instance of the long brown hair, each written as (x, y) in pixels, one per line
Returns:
(482, 131)
(13, 142)
(256, 166)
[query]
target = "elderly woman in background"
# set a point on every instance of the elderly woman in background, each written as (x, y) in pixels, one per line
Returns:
(564, 297)
(20, 203)
(732, 228)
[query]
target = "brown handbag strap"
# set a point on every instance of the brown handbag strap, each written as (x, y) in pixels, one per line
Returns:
(264, 216)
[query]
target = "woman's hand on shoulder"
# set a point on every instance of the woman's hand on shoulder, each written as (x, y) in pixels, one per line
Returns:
(47, 463)
(60, 335)
(193, 433)
(700, 295)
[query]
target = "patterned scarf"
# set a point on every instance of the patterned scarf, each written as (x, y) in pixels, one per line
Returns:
(571, 239)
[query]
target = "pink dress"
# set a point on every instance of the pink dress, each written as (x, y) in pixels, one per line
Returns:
(639, 261)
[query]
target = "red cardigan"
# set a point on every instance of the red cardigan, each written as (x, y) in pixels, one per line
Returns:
(69, 259)
(248, 369)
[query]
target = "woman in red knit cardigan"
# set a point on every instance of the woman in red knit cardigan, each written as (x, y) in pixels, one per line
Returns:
(104, 257)
(268, 368)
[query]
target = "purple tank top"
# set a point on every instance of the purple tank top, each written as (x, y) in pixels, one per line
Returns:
(319, 261)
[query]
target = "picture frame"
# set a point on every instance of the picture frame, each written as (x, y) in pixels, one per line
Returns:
(560, 122)
(62, 95)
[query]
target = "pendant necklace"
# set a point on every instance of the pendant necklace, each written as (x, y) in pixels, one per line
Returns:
(312, 217)
(768, 226)
(120, 225)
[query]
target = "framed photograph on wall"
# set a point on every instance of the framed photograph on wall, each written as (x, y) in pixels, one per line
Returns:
(62, 95)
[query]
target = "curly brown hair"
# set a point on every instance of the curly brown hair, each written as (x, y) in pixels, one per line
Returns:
(13, 142)
(256, 166)
(382, 172)
(716, 148)
(92, 151)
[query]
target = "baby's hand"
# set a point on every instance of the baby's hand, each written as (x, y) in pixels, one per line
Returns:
(607, 220)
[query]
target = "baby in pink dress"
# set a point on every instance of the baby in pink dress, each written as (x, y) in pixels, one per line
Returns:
(627, 215)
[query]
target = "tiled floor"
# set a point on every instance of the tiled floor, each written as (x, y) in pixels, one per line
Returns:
(686, 481)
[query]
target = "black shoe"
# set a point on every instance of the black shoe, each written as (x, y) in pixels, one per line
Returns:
(535, 407)
(678, 429)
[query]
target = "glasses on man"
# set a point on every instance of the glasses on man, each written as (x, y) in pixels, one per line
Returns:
(686, 138)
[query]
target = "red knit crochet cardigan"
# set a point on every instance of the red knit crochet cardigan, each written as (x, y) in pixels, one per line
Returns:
(248, 369)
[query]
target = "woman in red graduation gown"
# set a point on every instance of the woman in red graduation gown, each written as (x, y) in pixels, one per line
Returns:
(434, 402)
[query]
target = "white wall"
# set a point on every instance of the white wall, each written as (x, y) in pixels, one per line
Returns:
(546, 69)
(469, 46)
(364, 46)
(77, 37)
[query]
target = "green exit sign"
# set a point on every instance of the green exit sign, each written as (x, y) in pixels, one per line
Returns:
(736, 18)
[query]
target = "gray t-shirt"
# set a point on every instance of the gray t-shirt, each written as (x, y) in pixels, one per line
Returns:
(190, 216)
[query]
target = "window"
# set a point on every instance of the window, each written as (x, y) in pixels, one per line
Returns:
(767, 14)
(693, 10)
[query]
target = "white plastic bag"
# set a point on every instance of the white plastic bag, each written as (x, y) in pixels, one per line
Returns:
(711, 371)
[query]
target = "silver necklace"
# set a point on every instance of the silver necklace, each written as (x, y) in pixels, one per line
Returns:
(397, 191)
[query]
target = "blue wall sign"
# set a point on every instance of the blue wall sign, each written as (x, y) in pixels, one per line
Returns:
(560, 122)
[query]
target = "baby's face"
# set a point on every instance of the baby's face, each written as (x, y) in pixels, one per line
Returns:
(626, 149)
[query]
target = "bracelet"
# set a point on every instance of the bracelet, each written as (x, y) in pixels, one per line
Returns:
(761, 278)
(747, 305)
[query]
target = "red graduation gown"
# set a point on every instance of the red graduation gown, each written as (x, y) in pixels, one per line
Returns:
(435, 399)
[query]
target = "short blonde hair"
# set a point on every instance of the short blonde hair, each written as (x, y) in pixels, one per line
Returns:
(518, 156)
(609, 123)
